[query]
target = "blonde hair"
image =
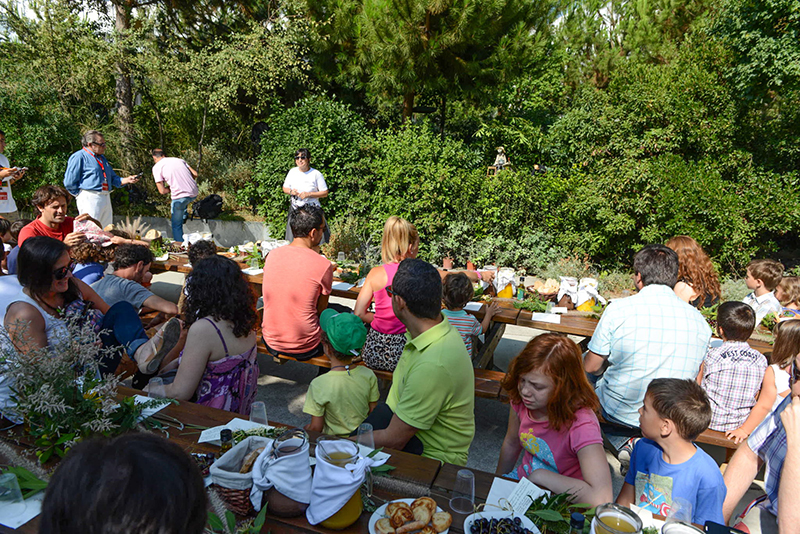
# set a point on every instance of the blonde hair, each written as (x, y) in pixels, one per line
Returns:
(787, 343)
(398, 236)
(790, 285)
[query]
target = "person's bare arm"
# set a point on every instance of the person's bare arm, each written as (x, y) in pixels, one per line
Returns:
(154, 302)
(316, 424)
(376, 277)
(322, 303)
(163, 189)
(87, 217)
(738, 476)
(511, 447)
(491, 311)
(312, 194)
(396, 435)
(788, 511)
(626, 495)
(91, 295)
(594, 363)
(196, 353)
(766, 398)
(26, 327)
(595, 488)
(372, 406)
(191, 170)
(699, 378)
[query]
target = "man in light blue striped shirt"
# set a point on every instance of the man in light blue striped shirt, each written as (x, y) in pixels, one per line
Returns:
(653, 334)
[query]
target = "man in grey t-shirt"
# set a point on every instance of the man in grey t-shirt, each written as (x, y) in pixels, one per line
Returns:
(131, 264)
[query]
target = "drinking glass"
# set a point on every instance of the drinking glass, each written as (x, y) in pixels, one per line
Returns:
(365, 438)
(611, 518)
(258, 413)
(340, 258)
(156, 389)
(463, 499)
(680, 510)
(11, 503)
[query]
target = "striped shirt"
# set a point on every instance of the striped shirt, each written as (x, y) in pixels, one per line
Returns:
(653, 334)
(466, 324)
(768, 441)
(732, 376)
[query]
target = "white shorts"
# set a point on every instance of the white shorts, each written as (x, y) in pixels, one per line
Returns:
(97, 204)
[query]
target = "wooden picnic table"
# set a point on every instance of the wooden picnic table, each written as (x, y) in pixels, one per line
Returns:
(425, 473)
(573, 323)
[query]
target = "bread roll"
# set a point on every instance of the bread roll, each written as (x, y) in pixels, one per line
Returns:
(423, 509)
(384, 526)
(250, 459)
(441, 521)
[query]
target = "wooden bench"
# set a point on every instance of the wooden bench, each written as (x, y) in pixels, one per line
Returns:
(487, 383)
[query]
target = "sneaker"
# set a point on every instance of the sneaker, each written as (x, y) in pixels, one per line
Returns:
(624, 453)
(149, 356)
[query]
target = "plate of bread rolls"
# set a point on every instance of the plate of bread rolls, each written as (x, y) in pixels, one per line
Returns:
(410, 516)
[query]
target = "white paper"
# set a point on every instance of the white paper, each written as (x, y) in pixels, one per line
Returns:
(473, 306)
(647, 518)
(148, 412)
(364, 451)
(252, 271)
(501, 489)
(546, 318)
(523, 495)
(33, 507)
(342, 286)
(211, 435)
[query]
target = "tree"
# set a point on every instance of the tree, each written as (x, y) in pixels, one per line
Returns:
(446, 47)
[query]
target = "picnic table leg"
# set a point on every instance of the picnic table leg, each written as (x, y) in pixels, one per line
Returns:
(493, 336)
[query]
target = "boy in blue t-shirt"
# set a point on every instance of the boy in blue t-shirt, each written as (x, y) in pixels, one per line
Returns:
(665, 464)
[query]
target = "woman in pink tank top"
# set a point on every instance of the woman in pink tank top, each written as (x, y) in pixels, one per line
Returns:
(386, 336)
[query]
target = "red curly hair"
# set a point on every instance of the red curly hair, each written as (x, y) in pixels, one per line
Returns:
(558, 357)
(695, 268)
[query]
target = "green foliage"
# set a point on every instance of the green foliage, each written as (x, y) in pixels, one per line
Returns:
(29, 483)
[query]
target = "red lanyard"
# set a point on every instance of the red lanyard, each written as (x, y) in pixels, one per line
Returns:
(102, 168)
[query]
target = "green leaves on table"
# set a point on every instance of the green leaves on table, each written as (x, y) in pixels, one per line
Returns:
(29, 483)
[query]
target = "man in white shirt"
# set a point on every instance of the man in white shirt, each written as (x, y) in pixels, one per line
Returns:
(306, 186)
(180, 184)
(8, 175)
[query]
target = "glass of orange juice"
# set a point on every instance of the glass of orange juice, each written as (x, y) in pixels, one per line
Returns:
(612, 518)
(341, 452)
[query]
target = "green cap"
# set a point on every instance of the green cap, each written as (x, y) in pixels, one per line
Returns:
(345, 331)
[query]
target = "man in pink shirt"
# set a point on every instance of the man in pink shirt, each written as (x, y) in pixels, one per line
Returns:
(180, 183)
(297, 283)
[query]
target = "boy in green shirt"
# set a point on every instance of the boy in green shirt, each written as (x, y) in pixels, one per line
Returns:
(341, 399)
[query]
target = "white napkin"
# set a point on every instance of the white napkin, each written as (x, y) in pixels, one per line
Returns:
(290, 475)
(333, 486)
(587, 289)
(569, 286)
(503, 277)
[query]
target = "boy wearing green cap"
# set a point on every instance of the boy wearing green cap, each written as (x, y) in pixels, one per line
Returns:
(341, 399)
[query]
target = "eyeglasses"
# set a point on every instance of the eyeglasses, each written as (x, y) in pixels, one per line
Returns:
(300, 157)
(101, 145)
(60, 274)
(391, 292)
(795, 374)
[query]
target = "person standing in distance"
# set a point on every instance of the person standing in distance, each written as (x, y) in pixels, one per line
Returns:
(306, 186)
(180, 183)
(90, 178)
(8, 175)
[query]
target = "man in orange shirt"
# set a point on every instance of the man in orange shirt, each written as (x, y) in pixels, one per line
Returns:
(51, 201)
(297, 283)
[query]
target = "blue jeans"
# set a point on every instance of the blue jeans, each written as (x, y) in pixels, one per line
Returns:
(178, 211)
(121, 328)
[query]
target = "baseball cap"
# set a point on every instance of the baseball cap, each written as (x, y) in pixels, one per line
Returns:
(345, 331)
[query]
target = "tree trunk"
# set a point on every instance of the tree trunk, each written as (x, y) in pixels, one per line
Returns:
(408, 105)
(202, 134)
(124, 91)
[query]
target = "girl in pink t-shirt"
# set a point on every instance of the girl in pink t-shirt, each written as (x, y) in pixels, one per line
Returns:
(552, 419)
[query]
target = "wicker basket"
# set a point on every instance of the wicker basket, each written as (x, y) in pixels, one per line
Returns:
(237, 501)
(232, 486)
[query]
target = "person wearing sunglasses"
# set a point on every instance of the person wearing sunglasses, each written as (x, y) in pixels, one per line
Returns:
(767, 446)
(35, 316)
(304, 185)
(90, 178)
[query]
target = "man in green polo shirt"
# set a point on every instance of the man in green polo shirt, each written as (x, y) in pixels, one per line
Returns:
(432, 399)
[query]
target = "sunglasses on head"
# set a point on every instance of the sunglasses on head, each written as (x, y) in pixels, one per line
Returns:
(391, 292)
(60, 274)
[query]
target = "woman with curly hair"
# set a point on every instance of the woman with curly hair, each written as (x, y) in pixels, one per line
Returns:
(218, 366)
(698, 283)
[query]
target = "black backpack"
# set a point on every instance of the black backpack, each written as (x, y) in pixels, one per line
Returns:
(207, 208)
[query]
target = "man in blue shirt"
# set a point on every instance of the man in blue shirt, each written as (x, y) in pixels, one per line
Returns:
(90, 178)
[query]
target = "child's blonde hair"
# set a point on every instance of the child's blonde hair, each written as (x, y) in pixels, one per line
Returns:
(768, 271)
(398, 235)
(787, 343)
(790, 286)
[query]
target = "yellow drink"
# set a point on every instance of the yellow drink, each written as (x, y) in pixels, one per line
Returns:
(615, 519)
(347, 515)
(613, 523)
(506, 293)
(339, 459)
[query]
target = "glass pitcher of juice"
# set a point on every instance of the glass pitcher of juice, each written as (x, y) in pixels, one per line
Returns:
(612, 518)
(341, 452)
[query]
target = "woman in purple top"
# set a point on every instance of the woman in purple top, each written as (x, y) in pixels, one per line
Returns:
(386, 337)
(218, 366)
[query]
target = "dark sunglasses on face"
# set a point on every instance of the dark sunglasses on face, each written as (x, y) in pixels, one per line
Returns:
(60, 274)
(300, 157)
(102, 145)
(795, 373)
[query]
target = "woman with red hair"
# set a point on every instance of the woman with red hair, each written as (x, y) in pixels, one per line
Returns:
(698, 283)
(553, 419)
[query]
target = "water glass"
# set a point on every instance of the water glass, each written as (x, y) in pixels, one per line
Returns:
(340, 258)
(258, 413)
(463, 499)
(156, 389)
(11, 503)
(365, 437)
(680, 510)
